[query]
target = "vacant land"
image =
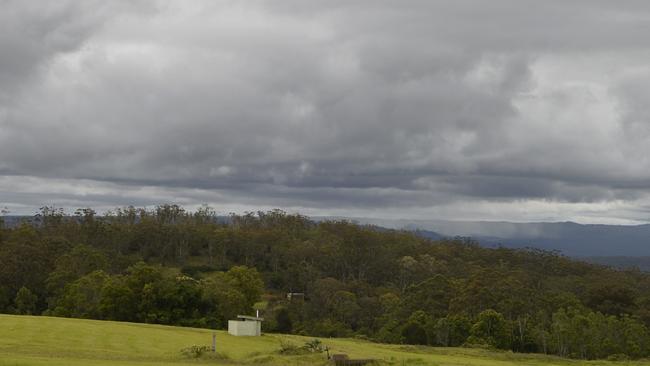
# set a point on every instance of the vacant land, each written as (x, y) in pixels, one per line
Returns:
(27, 341)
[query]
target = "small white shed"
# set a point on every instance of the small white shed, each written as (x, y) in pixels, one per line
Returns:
(245, 326)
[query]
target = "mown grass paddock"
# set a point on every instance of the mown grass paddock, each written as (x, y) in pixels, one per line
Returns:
(36, 341)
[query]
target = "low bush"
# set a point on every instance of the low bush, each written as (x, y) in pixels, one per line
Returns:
(291, 349)
(202, 352)
(313, 346)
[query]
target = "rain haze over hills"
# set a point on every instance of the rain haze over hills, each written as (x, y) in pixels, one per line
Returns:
(424, 111)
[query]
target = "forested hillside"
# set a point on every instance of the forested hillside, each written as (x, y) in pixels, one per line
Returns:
(169, 266)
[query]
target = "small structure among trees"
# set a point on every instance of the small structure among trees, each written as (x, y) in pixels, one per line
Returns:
(293, 296)
(246, 326)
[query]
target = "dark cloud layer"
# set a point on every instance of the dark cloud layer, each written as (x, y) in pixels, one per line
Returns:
(518, 110)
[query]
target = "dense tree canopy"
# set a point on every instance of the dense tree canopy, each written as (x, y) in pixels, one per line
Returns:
(170, 266)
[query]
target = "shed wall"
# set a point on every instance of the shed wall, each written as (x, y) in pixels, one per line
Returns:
(244, 328)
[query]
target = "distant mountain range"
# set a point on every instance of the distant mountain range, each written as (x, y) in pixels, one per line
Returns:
(11, 221)
(575, 246)
(617, 245)
(622, 246)
(570, 238)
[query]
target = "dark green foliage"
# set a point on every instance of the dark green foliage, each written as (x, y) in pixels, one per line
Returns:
(171, 266)
(414, 333)
(5, 299)
(492, 329)
(611, 299)
(197, 271)
(328, 327)
(82, 297)
(25, 302)
(581, 333)
(431, 296)
(118, 300)
(390, 332)
(69, 267)
(27, 258)
(227, 294)
(450, 331)
(283, 320)
(170, 301)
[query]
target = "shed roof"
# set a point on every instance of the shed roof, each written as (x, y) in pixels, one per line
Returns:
(246, 317)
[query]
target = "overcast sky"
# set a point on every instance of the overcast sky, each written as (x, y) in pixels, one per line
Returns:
(464, 110)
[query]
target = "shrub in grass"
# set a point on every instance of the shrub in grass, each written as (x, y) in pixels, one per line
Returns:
(195, 351)
(618, 357)
(312, 346)
(204, 352)
(291, 349)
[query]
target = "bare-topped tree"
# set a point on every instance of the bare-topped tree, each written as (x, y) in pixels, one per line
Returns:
(50, 216)
(3, 212)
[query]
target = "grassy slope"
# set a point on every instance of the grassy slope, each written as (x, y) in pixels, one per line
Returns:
(27, 341)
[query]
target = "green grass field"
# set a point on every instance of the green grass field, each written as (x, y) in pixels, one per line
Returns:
(27, 341)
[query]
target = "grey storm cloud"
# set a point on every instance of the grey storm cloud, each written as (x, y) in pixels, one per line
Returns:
(467, 109)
